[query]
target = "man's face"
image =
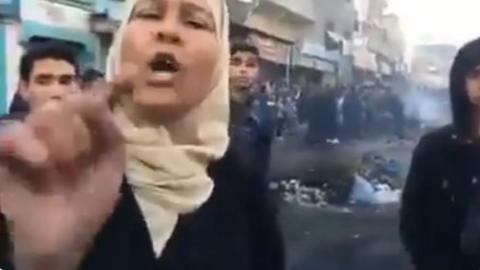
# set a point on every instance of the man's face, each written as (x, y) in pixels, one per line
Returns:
(49, 79)
(473, 86)
(244, 68)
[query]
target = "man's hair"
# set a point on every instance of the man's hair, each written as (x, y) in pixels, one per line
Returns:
(91, 75)
(56, 50)
(243, 46)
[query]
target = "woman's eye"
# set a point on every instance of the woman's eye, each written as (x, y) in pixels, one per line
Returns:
(197, 24)
(148, 16)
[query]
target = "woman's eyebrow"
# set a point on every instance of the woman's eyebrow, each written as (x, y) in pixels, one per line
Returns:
(144, 4)
(192, 8)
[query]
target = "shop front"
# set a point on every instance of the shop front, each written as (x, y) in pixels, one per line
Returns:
(44, 20)
(9, 10)
(104, 22)
(275, 55)
(313, 63)
(286, 20)
(3, 68)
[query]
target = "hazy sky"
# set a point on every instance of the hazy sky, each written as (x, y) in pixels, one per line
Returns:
(449, 21)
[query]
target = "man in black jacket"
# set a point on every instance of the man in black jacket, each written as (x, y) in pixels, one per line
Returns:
(440, 210)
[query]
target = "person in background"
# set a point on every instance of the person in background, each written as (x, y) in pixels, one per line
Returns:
(395, 107)
(281, 121)
(440, 213)
(144, 183)
(291, 113)
(302, 103)
(90, 77)
(251, 118)
(322, 117)
(48, 71)
(353, 112)
(371, 99)
(244, 71)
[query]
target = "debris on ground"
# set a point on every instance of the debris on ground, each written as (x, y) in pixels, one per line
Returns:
(374, 180)
(369, 193)
(292, 191)
(379, 170)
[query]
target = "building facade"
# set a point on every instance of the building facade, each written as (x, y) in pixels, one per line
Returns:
(305, 39)
(431, 63)
(9, 51)
(379, 43)
(326, 50)
(23, 22)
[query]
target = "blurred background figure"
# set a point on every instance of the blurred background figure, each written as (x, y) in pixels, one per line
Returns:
(353, 114)
(90, 77)
(322, 116)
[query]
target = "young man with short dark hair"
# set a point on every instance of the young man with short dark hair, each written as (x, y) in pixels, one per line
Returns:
(48, 70)
(244, 70)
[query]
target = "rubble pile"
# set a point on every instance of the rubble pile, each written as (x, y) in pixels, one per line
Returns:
(379, 170)
(376, 181)
(292, 191)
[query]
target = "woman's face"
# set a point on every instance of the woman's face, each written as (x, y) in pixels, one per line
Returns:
(174, 45)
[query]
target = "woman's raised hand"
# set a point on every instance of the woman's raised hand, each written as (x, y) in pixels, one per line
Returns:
(60, 176)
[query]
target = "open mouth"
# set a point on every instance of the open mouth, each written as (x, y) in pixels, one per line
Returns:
(164, 63)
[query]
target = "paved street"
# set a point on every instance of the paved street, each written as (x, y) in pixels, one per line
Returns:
(339, 237)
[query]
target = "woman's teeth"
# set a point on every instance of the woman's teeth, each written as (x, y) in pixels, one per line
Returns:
(164, 63)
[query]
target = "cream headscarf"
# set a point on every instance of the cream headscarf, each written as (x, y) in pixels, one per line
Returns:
(169, 178)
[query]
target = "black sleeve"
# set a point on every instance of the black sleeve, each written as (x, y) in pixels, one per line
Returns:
(123, 243)
(268, 244)
(5, 245)
(412, 211)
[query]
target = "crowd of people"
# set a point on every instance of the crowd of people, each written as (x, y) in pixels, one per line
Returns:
(333, 114)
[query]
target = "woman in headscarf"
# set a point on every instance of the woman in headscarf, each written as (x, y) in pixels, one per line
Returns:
(181, 206)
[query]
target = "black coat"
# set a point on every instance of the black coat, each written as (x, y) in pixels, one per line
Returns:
(322, 118)
(235, 229)
(442, 185)
(5, 248)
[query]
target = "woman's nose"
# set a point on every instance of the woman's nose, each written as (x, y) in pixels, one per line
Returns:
(168, 32)
(168, 37)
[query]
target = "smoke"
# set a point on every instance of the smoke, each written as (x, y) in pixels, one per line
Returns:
(430, 107)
